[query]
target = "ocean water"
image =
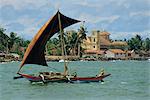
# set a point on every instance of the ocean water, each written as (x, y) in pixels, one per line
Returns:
(130, 80)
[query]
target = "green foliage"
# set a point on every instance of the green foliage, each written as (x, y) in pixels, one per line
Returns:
(146, 44)
(136, 43)
(82, 33)
(12, 43)
(13, 37)
(81, 36)
(53, 44)
(3, 40)
(2, 47)
(70, 41)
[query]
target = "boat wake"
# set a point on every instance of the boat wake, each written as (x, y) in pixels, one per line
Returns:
(124, 83)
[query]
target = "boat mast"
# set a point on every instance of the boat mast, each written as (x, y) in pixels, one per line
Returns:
(62, 41)
(61, 35)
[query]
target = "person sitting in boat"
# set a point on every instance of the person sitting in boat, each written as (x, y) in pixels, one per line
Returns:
(51, 73)
(102, 72)
(74, 74)
(42, 76)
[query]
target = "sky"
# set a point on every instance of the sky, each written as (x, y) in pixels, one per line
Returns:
(121, 18)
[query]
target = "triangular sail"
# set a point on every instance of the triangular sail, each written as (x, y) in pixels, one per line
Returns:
(35, 51)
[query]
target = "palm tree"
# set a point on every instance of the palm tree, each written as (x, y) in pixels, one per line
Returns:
(4, 40)
(135, 43)
(13, 38)
(53, 44)
(146, 44)
(80, 37)
(70, 41)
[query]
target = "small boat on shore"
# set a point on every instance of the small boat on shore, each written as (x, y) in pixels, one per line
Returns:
(61, 60)
(35, 54)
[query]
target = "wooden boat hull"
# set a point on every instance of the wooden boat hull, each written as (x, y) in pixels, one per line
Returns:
(88, 79)
(33, 78)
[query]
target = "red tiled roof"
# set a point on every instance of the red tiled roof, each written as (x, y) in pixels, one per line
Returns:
(94, 51)
(116, 51)
(119, 43)
(104, 33)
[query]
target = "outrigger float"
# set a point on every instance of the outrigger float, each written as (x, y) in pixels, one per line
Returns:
(35, 54)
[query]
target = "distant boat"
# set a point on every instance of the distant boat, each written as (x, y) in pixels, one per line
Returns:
(35, 54)
(4, 62)
(61, 60)
(113, 60)
(81, 60)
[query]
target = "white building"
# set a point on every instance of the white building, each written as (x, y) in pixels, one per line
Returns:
(115, 53)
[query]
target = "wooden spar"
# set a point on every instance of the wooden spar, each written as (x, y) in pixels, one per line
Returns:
(61, 34)
(62, 44)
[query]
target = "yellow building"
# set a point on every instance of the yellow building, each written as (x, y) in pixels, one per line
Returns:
(99, 40)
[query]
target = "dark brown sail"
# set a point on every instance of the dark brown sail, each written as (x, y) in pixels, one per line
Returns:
(35, 51)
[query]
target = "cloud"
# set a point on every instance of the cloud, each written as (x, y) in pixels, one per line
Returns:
(23, 26)
(89, 3)
(97, 19)
(25, 17)
(128, 35)
(20, 4)
(140, 13)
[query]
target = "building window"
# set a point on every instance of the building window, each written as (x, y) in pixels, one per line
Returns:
(94, 40)
(93, 33)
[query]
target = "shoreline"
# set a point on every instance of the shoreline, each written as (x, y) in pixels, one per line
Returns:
(56, 59)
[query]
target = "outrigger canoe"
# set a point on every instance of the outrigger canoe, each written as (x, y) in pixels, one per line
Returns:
(35, 53)
(33, 78)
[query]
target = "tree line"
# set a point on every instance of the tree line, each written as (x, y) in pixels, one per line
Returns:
(12, 43)
(137, 43)
(72, 43)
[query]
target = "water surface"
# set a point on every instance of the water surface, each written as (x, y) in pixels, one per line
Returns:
(130, 80)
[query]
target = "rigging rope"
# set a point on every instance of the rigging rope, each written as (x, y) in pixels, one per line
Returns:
(54, 68)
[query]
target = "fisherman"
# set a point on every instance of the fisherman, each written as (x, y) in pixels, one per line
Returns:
(42, 76)
(51, 73)
(102, 72)
(74, 74)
